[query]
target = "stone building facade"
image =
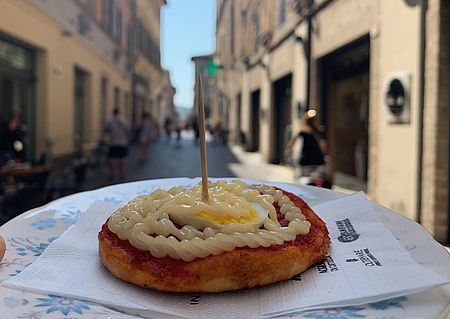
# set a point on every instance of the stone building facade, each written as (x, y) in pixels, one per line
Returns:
(378, 80)
(75, 61)
(213, 107)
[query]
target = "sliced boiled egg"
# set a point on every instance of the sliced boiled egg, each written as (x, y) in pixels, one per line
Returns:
(244, 222)
(257, 216)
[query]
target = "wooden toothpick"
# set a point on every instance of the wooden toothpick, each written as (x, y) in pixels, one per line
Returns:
(201, 126)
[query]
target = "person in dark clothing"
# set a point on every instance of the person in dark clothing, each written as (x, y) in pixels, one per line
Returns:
(312, 159)
(195, 128)
(12, 140)
(168, 126)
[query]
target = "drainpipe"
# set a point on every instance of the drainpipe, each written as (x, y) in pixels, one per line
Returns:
(421, 106)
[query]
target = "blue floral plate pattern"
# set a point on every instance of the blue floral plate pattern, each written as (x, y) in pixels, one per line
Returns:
(29, 234)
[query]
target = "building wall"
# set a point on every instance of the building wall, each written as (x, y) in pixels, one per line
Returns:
(246, 67)
(148, 13)
(342, 22)
(394, 42)
(58, 55)
(435, 204)
(53, 29)
(399, 52)
(231, 44)
(393, 29)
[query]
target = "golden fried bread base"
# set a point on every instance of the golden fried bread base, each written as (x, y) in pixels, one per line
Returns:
(241, 268)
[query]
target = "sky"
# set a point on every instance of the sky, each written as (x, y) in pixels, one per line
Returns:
(188, 29)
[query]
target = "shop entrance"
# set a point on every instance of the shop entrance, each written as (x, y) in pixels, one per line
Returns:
(80, 108)
(345, 112)
(282, 128)
(239, 139)
(17, 89)
(253, 145)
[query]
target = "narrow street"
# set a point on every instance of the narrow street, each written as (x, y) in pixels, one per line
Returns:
(169, 158)
(172, 158)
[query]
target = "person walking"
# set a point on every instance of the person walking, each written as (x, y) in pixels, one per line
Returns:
(195, 128)
(312, 159)
(177, 126)
(117, 132)
(168, 126)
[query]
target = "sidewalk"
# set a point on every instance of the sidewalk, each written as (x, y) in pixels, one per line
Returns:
(252, 165)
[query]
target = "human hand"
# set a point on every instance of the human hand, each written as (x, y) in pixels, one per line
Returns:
(288, 152)
(2, 248)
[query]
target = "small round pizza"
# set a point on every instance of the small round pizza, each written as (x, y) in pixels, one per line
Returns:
(243, 236)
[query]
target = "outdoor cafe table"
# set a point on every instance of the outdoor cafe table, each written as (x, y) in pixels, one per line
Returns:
(27, 174)
(29, 234)
(24, 171)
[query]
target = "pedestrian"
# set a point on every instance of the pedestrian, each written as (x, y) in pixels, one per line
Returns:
(195, 128)
(219, 132)
(147, 134)
(177, 126)
(117, 132)
(168, 126)
(312, 159)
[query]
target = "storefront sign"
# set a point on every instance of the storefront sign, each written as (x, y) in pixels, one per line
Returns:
(15, 56)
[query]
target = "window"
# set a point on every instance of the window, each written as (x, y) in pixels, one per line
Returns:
(104, 100)
(80, 106)
(128, 111)
(119, 28)
(116, 98)
(111, 7)
(131, 38)
(281, 12)
(255, 31)
(140, 40)
(15, 56)
(244, 17)
(107, 13)
(92, 8)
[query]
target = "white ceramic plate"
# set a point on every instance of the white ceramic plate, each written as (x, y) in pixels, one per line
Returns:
(30, 233)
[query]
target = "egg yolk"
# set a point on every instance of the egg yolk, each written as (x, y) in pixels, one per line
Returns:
(227, 219)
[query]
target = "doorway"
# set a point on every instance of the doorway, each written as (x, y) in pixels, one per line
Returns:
(345, 112)
(282, 123)
(17, 89)
(80, 108)
(239, 139)
(253, 143)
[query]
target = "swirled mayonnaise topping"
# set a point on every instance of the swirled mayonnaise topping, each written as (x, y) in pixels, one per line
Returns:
(177, 223)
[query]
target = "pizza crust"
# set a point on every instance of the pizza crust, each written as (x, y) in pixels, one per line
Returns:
(238, 269)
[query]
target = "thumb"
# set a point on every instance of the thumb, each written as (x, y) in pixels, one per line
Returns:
(2, 248)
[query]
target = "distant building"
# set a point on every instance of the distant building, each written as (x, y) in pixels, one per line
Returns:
(66, 64)
(376, 71)
(212, 107)
(165, 106)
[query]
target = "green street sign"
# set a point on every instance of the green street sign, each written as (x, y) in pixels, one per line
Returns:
(213, 68)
